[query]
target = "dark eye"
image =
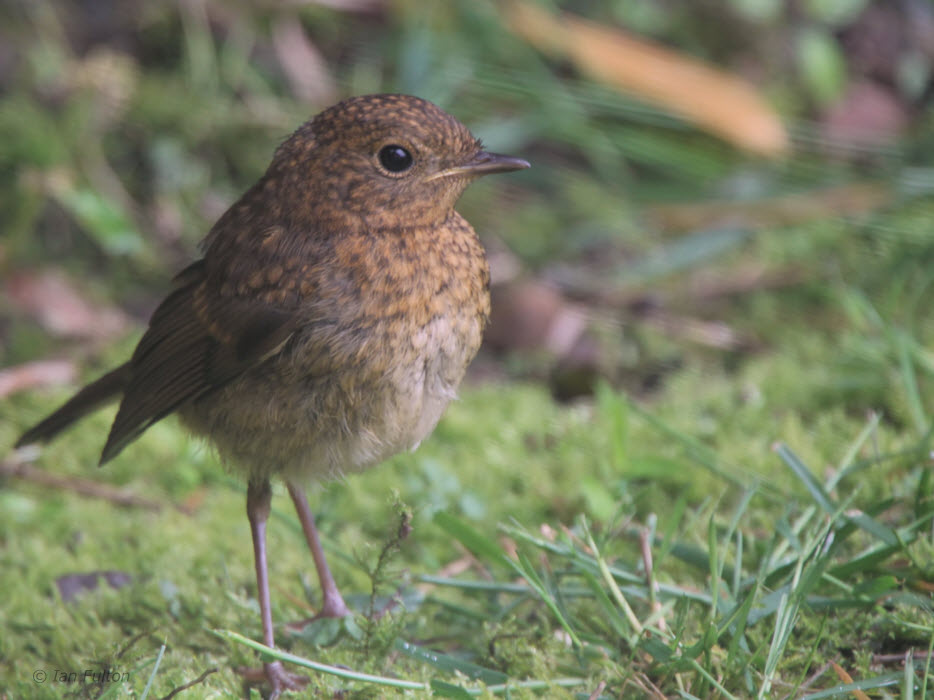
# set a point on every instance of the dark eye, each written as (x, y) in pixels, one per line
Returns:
(395, 158)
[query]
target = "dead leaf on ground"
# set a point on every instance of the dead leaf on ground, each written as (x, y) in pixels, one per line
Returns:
(739, 279)
(530, 314)
(49, 297)
(786, 210)
(714, 100)
(346, 5)
(18, 467)
(71, 585)
(848, 679)
(868, 115)
(304, 65)
(32, 374)
(712, 334)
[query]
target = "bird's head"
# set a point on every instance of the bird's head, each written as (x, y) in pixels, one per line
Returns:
(387, 161)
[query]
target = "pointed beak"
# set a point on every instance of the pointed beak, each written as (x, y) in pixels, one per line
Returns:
(484, 163)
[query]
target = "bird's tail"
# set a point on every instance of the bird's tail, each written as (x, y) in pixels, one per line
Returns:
(96, 394)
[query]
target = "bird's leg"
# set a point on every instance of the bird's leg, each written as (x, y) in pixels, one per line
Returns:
(332, 604)
(258, 497)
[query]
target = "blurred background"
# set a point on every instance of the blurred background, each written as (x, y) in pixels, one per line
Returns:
(725, 241)
(683, 152)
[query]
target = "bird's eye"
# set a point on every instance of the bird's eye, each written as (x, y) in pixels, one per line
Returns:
(395, 158)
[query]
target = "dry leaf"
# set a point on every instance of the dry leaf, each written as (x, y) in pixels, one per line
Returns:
(711, 334)
(718, 102)
(739, 279)
(71, 585)
(868, 115)
(32, 374)
(529, 314)
(846, 678)
(851, 200)
(344, 5)
(17, 467)
(59, 308)
(304, 65)
(509, 547)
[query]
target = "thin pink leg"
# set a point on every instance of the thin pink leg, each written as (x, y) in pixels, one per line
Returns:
(258, 497)
(332, 603)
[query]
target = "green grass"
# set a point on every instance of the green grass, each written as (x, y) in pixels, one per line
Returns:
(710, 523)
(763, 571)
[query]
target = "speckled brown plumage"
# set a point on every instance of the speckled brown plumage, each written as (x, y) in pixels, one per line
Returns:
(331, 317)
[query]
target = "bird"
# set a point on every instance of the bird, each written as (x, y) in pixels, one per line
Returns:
(328, 322)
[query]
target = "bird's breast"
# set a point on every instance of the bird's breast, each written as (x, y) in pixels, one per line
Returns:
(392, 323)
(420, 304)
(405, 296)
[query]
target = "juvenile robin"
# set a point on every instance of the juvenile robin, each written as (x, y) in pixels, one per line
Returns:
(329, 322)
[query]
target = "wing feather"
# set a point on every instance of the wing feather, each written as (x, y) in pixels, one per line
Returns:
(195, 343)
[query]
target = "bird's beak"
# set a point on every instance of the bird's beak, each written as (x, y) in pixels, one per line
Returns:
(483, 163)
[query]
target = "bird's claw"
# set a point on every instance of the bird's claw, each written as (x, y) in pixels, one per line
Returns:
(275, 674)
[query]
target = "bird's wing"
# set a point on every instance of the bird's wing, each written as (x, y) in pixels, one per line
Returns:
(196, 342)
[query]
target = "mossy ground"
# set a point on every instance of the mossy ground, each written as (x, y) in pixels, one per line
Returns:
(782, 487)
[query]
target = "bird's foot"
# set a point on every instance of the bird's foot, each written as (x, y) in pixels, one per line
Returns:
(275, 674)
(333, 607)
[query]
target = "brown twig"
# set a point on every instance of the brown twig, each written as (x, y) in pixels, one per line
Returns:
(814, 676)
(712, 334)
(597, 691)
(918, 655)
(21, 469)
(196, 681)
